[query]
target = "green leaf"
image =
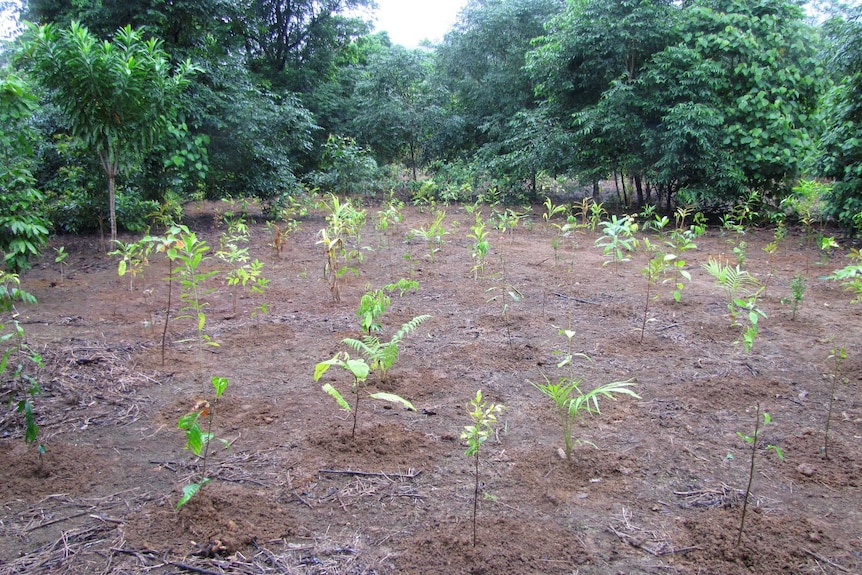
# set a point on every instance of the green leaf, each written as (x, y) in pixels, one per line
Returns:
(392, 398)
(219, 384)
(337, 397)
(190, 491)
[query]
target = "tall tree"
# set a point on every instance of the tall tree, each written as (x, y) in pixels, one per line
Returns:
(841, 140)
(117, 96)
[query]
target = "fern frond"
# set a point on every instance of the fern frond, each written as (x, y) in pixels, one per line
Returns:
(409, 327)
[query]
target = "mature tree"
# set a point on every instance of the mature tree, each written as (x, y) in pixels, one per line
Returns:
(481, 63)
(119, 97)
(295, 42)
(390, 103)
(23, 228)
(841, 141)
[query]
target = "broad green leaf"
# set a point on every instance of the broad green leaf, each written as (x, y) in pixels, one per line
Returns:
(336, 396)
(190, 491)
(392, 398)
(219, 384)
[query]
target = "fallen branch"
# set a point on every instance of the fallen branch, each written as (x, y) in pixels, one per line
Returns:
(825, 560)
(411, 475)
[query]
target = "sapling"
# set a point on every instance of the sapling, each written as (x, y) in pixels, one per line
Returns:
(618, 239)
(60, 259)
(133, 259)
(360, 371)
(655, 268)
(851, 276)
(752, 440)
(572, 403)
(552, 210)
(374, 303)
(433, 234)
(191, 253)
(838, 355)
(797, 294)
(484, 417)
(331, 246)
(380, 355)
(198, 440)
(480, 245)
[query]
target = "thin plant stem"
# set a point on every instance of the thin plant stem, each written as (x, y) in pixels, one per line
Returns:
(168, 310)
(475, 496)
(750, 476)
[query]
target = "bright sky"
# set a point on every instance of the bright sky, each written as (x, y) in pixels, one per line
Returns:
(408, 22)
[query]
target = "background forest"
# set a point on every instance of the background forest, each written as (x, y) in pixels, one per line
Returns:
(114, 111)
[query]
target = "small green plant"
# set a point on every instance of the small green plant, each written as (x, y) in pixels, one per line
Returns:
(596, 213)
(480, 245)
(571, 402)
(797, 294)
(190, 252)
(752, 441)
(740, 250)
(382, 355)
(514, 294)
(484, 418)
(359, 370)
(133, 259)
(743, 291)
(654, 270)
(60, 260)
(374, 303)
(617, 239)
(433, 234)
(552, 210)
(331, 272)
(837, 356)
(198, 440)
(851, 276)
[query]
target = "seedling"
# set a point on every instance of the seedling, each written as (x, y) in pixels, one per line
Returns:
(21, 355)
(573, 404)
(484, 417)
(851, 276)
(618, 240)
(191, 253)
(374, 304)
(838, 355)
(652, 272)
(133, 259)
(515, 295)
(597, 212)
(752, 441)
(797, 293)
(552, 210)
(60, 260)
(331, 273)
(480, 245)
(198, 440)
(381, 356)
(433, 234)
(738, 284)
(359, 370)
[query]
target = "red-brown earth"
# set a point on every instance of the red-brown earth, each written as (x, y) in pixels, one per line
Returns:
(661, 491)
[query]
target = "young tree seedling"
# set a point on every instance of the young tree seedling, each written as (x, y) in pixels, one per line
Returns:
(484, 417)
(381, 356)
(60, 260)
(198, 440)
(359, 370)
(838, 355)
(752, 441)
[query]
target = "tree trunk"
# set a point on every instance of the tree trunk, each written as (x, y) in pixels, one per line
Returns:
(111, 167)
(639, 189)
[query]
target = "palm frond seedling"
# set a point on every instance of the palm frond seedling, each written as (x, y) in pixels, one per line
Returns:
(838, 356)
(382, 355)
(480, 245)
(754, 444)
(198, 440)
(680, 215)
(432, 234)
(360, 370)
(618, 240)
(552, 210)
(60, 260)
(484, 418)
(737, 283)
(597, 212)
(571, 402)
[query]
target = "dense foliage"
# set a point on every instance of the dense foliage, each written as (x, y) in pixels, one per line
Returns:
(703, 102)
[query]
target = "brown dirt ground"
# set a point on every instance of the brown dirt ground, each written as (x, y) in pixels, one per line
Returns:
(660, 494)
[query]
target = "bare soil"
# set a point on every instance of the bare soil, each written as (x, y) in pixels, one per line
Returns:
(661, 491)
